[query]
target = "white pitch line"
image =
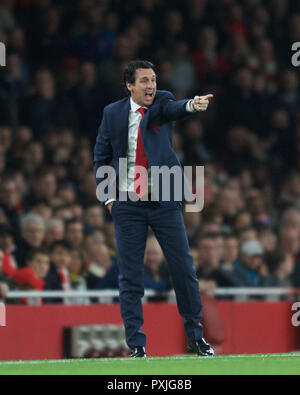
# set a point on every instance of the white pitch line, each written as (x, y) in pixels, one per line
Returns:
(128, 360)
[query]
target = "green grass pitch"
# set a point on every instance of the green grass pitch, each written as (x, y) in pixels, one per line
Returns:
(264, 364)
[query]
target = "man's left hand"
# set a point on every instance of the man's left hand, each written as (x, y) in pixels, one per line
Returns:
(200, 103)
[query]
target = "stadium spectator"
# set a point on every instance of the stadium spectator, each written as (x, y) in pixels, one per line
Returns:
(194, 147)
(94, 218)
(7, 242)
(243, 220)
(32, 236)
(74, 232)
(8, 267)
(45, 109)
(267, 238)
(77, 270)
(54, 231)
(10, 201)
(156, 275)
(281, 266)
(58, 277)
(33, 275)
(208, 269)
(44, 188)
(102, 268)
(251, 268)
(88, 97)
(230, 252)
(289, 239)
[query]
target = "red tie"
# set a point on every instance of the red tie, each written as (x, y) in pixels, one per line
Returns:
(140, 188)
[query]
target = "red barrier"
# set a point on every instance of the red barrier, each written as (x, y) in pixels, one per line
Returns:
(36, 332)
(258, 327)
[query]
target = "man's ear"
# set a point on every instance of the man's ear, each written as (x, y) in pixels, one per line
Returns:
(128, 86)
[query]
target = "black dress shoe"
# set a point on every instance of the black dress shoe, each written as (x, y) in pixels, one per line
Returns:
(138, 352)
(201, 348)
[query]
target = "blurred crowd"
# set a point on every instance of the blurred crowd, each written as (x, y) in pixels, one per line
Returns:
(65, 62)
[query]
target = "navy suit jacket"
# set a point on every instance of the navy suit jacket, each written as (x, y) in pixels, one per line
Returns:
(156, 130)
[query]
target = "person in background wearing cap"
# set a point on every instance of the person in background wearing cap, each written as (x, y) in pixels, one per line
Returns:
(251, 268)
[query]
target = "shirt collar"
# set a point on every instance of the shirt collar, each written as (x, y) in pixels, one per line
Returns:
(135, 107)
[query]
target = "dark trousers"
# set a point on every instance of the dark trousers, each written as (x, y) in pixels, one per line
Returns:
(131, 222)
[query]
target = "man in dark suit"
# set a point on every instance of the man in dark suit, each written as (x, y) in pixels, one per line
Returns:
(139, 128)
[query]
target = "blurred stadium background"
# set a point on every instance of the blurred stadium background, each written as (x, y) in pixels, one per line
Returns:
(64, 63)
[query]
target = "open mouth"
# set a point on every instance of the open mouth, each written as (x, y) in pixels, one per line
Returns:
(149, 94)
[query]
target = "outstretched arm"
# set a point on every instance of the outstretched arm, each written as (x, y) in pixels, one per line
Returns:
(173, 110)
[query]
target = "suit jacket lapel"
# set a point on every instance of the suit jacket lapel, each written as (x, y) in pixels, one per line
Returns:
(123, 117)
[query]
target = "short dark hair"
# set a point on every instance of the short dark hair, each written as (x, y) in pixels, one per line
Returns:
(132, 67)
(274, 259)
(209, 235)
(35, 251)
(72, 221)
(62, 244)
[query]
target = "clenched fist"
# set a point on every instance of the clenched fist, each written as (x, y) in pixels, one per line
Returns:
(200, 103)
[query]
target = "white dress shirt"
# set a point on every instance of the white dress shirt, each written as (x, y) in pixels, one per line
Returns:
(134, 120)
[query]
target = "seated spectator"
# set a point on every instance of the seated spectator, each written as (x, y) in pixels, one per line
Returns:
(210, 272)
(289, 239)
(291, 217)
(281, 266)
(192, 223)
(32, 277)
(102, 268)
(7, 243)
(67, 194)
(43, 209)
(44, 188)
(156, 274)
(247, 234)
(256, 205)
(32, 232)
(230, 252)
(8, 266)
(32, 158)
(38, 109)
(3, 218)
(10, 201)
(64, 213)
(243, 220)
(267, 237)
(58, 277)
(77, 272)
(74, 233)
(211, 226)
(111, 238)
(94, 218)
(251, 268)
(54, 231)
